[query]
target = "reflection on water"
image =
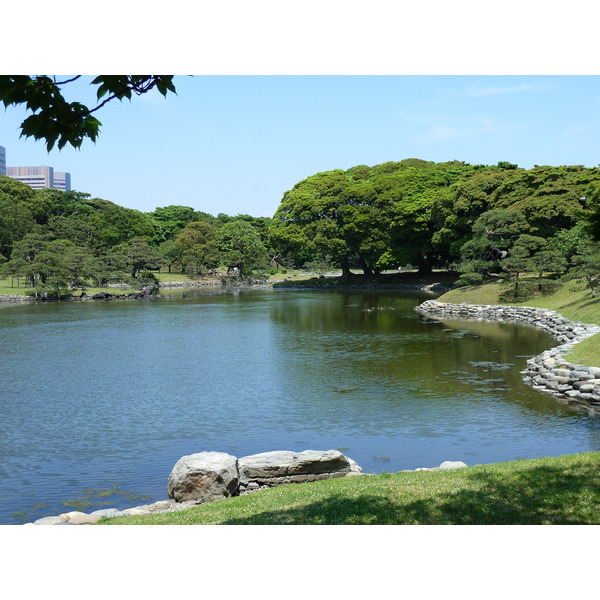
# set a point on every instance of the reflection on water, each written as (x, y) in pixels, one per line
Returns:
(107, 396)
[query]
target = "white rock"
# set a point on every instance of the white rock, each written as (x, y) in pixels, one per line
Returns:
(108, 512)
(452, 464)
(50, 521)
(79, 518)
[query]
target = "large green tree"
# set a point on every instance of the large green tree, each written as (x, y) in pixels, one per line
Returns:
(415, 191)
(240, 247)
(136, 255)
(307, 222)
(15, 221)
(494, 233)
(460, 205)
(24, 256)
(97, 223)
(520, 258)
(333, 216)
(586, 264)
(171, 219)
(373, 217)
(196, 245)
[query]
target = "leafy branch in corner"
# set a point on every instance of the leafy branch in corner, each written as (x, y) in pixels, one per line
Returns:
(60, 122)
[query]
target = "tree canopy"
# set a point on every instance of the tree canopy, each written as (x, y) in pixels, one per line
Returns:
(429, 214)
(376, 217)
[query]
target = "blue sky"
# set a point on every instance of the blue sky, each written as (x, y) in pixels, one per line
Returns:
(235, 144)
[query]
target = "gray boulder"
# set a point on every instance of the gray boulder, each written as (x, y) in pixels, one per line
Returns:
(204, 477)
(274, 468)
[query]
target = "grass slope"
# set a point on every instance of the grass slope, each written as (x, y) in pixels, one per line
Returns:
(561, 490)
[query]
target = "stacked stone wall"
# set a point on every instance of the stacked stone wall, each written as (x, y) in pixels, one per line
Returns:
(549, 371)
(15, 298)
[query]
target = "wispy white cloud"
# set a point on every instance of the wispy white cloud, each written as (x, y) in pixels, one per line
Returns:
(571, 132)
(421, 118)
(442, 128)
(578, 138)
(495, 90)
(446, 132)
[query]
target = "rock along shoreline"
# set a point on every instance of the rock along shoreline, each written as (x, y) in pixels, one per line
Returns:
(209, 476)
(548, 372)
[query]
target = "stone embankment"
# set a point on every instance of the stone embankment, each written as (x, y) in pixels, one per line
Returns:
(148, 292)
(549, 371)
(213, 283)
(186, 284)
(15, 298)
(209, 476)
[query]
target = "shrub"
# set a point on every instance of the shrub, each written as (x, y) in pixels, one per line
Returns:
(524, 292)
(148, 277)
(470, 279)
(530, 289)
(548, 287)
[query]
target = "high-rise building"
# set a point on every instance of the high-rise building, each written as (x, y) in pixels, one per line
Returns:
(62, 181)
(41, 177)
(2, 160)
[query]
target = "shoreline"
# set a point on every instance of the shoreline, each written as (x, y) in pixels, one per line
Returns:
(277, 285)
(548, 372)
(170, 505)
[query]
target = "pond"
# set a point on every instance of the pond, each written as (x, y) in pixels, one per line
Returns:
(100, 399)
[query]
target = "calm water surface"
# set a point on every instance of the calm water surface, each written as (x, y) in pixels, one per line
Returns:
(99, 400)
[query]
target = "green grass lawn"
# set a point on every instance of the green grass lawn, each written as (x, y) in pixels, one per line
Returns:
(561, 490)
(571, 300)
(9, 287)
(164, 277)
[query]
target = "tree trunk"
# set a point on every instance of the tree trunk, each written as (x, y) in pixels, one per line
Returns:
(345, 268)
(366, 268)
(425, 263)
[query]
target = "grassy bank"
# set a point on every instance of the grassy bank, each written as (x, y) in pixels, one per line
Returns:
(571, 300)
(14, 286)
(561, 490)
(8, 287)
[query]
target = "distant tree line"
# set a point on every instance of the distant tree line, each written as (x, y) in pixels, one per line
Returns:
(483, 222)
(58, 241)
